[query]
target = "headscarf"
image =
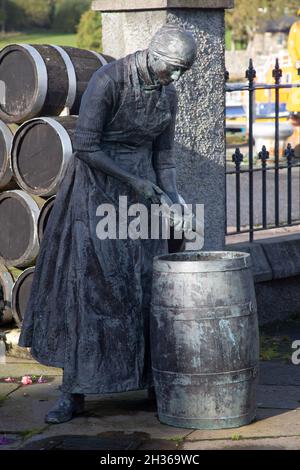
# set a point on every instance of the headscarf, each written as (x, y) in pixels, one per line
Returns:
(174, 45)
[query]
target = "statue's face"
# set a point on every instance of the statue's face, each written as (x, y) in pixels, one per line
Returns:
(164, 72)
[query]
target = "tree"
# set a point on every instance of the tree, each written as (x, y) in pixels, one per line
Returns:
(248, 16)
(243, 20)
(68, 13)
(90, 31)
(3, 16)
(36, 13)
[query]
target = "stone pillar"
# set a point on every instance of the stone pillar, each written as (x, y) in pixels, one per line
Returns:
(128, 26)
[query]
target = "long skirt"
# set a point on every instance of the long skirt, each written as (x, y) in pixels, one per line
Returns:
(89, 306)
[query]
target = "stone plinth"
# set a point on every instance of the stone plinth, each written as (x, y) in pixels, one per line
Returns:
(200, 131)
(128, 5)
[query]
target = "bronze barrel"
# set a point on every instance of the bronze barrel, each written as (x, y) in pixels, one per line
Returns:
(20, 294)
(44, 216)
(41, 80)
(41, 150)
(204, 339)
(19, 213)
(6, 137)
(6, 286)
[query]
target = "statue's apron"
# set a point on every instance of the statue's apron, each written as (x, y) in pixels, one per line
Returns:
(89, 306)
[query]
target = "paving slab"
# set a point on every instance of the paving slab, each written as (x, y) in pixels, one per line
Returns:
(10, 441)
(145, 423)
(280, 443)
(269, 423)
(286, 397)
(6, 389)
(279, 373)
(25, 408)
(83, 442)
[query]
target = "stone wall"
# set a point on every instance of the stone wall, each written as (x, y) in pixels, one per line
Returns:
(276, 270)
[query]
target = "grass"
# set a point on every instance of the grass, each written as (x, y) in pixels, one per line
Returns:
(236, 437)
(274, 347)
(2, 399)
(177, 439)
(28, 433)
(42, 37)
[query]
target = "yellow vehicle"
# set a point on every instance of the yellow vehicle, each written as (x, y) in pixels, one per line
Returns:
(289, 98)
(265, 99)
(293, 103)
(289, 62)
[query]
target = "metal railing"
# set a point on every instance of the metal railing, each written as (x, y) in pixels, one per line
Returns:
(287, 164)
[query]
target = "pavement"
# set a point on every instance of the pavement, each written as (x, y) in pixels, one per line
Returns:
(129, 420)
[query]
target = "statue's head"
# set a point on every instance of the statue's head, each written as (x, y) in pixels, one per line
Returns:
(171, 52)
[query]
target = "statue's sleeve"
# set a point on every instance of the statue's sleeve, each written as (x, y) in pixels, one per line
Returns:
(96, 109)
(163, 155)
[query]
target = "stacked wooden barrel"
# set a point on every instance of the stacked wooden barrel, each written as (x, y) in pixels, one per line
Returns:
(41, 87)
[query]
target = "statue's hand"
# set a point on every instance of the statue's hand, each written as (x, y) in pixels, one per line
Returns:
(147, 189)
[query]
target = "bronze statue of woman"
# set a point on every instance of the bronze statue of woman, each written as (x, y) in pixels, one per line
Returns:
(89, 305)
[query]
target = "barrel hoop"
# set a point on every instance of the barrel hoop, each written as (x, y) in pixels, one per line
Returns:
(247, 373)
(67, 153)
(100, 57)
(219, 418)
(201, 269)
(6, 169)
(29, 203)
(236, 262)
(42, 80)
(216, 313)
(72, 90)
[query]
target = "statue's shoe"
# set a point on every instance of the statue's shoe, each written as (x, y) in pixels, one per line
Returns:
(68, 405)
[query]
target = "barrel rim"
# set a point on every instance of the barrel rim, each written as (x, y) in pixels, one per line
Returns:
(72, 79)
(67, 151)
(33, 210)
(15, 313)
(6, 170)
(41, 75)
(44, 211)
(234, 260)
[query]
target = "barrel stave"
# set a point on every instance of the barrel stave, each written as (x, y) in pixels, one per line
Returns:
(58, 84)
(85, 64)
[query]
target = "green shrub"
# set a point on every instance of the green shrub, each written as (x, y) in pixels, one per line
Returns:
(89, 33)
